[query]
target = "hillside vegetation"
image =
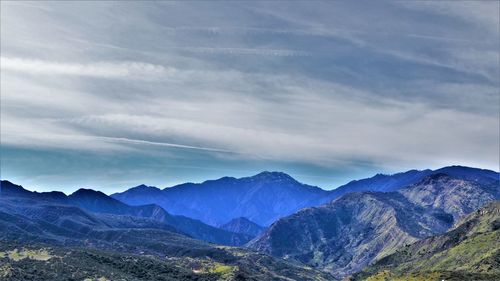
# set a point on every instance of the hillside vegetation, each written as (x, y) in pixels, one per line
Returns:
(471, 251)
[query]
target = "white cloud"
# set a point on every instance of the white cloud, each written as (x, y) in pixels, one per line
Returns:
(126, 69)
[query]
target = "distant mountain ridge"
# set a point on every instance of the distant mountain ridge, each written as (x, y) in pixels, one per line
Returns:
(387, 183)
(268, 196)
(98, 202)
(261, 198)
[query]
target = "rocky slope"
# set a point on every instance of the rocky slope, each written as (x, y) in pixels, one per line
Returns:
(349, 233)
(453, 195)
(471, 251)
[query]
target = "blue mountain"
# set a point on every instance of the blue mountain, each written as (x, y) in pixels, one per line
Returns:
(262, 198)
(388, 183)
(100, 203)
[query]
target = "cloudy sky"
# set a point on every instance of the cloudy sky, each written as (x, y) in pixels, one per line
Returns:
(111, 95)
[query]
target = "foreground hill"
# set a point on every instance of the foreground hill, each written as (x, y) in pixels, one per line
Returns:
(50, 241)
(471, 251)
(262, 198)
(42, 262)
(99, 203)
(346, 235)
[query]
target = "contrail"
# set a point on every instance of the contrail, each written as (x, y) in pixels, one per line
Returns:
(135, 141)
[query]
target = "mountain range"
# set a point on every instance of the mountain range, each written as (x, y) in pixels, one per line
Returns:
(349, 233)
(268, 196)
(376, 228)
(261, 198)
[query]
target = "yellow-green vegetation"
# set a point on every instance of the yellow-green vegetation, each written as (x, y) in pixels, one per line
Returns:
(467, 255)
(225, 272)
(222, 269)
(16, 255)
(388, 276)
(471, 255)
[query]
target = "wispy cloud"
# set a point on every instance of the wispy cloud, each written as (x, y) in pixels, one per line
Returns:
(481, 13)
(247, 51)
(125, 69)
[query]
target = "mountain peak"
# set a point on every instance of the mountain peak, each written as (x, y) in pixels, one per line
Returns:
(8, 188)
(273, 176)
(143, 187)
(7, 185)
(88, 192)
(469, 173)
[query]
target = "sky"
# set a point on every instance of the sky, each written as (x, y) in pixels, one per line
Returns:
(110, 95)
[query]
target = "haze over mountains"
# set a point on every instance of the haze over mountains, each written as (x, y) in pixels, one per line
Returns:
(313, 234)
